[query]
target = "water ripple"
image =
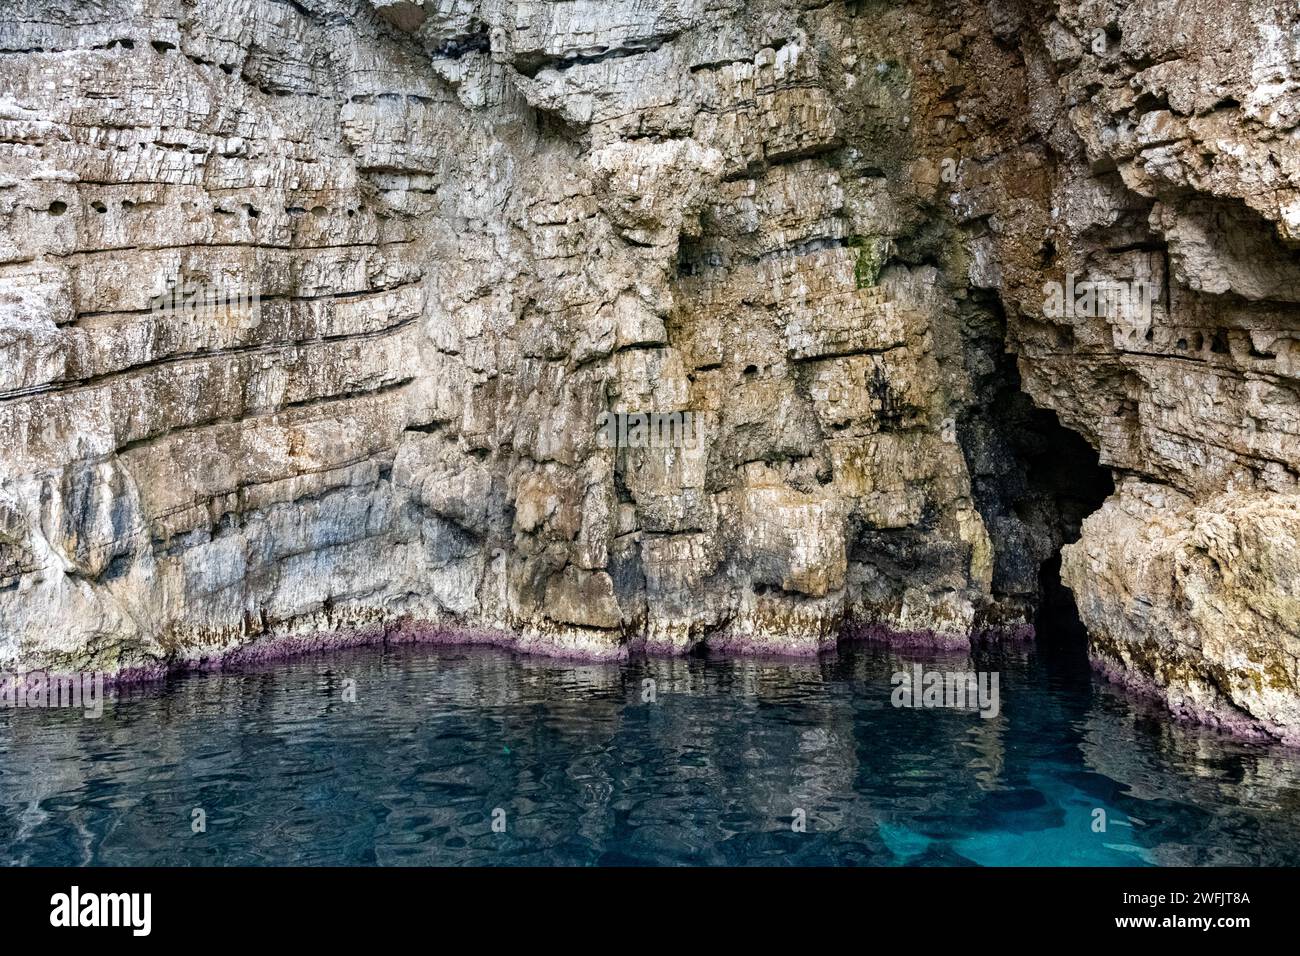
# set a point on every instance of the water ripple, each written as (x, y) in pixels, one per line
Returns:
(455, 757)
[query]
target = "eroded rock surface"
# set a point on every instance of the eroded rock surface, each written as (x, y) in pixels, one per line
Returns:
(821, 235)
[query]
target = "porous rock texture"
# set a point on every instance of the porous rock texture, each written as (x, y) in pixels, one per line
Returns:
(826, 229)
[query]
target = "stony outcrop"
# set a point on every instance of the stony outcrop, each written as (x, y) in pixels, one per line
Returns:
(315, 317)
(1181, 169)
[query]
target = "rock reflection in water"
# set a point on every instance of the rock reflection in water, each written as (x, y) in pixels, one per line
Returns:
(652, 762)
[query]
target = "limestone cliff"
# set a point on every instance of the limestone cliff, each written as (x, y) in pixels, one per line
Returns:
(835, 245)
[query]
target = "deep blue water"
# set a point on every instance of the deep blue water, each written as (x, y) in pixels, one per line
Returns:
(288, 772)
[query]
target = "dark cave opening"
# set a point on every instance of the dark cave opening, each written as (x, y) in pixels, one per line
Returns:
(1057, 616)
(1044, 481)
(1034, 481)
(1066, 471)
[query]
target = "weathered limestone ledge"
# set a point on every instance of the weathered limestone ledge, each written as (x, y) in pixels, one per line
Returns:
(572, 647)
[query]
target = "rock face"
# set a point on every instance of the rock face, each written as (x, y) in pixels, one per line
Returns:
(599, 327)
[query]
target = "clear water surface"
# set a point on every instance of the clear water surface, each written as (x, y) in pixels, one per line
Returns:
(286, 771)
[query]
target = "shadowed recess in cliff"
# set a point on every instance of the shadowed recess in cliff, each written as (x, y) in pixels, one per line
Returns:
(1064, 470)
(1034, 482)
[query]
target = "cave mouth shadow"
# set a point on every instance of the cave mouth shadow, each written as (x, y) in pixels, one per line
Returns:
(1065, 473)
(1058, 630)
(1034, 480)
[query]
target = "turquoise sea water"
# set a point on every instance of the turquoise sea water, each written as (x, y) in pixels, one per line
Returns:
(576, 766)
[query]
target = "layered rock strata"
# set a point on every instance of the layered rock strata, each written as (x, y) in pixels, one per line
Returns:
(315, 315)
